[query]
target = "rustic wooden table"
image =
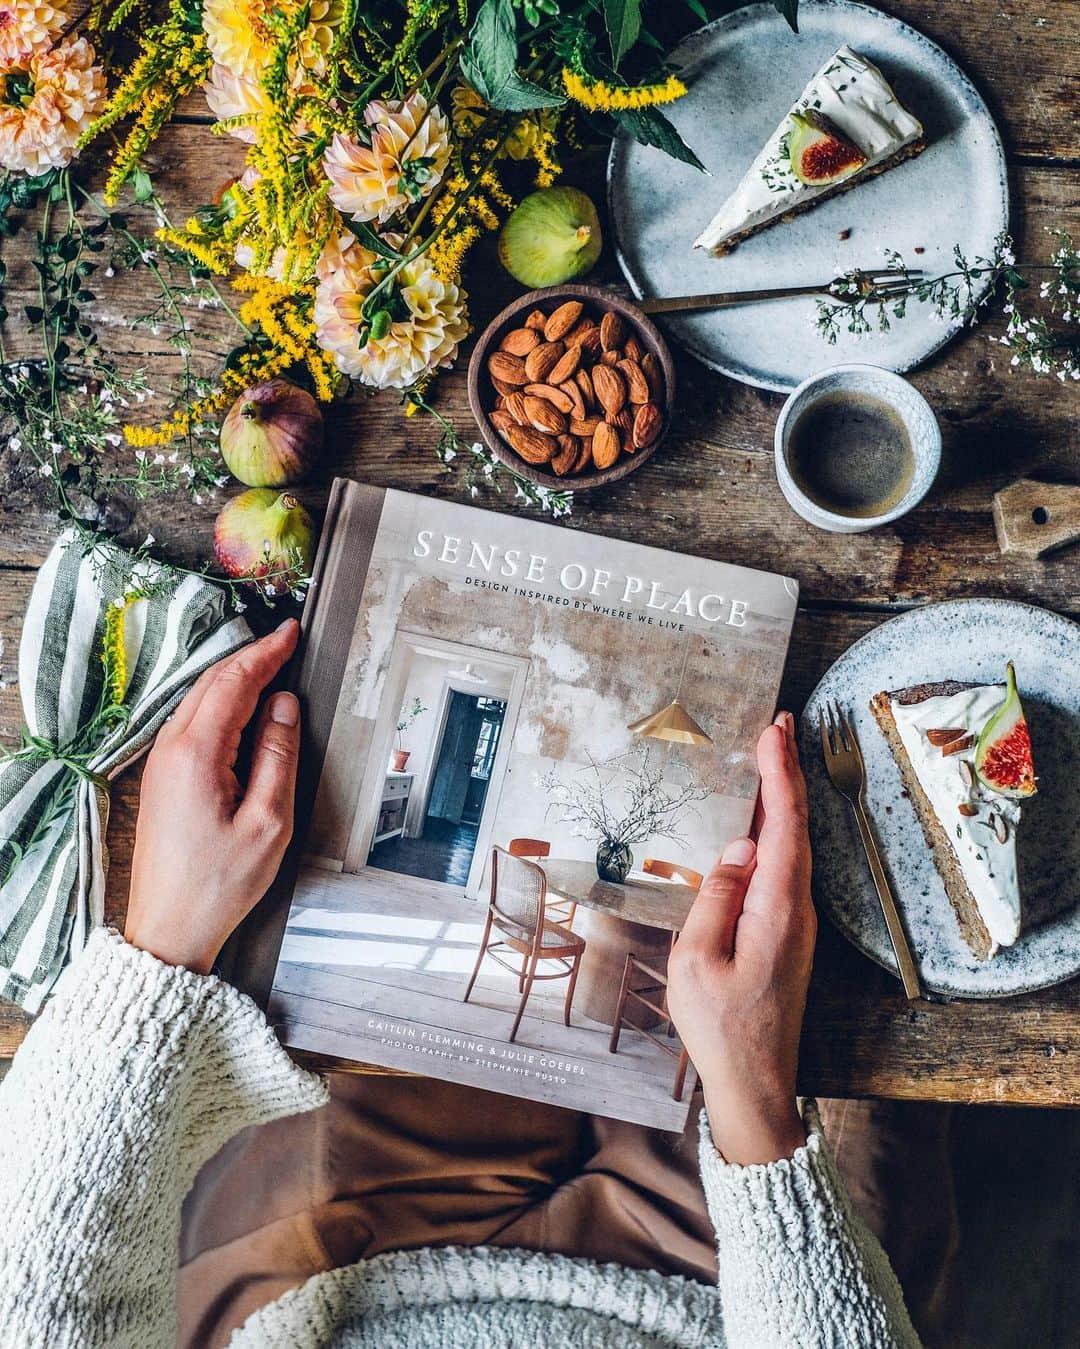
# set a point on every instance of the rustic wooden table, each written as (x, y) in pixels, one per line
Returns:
(711, 490)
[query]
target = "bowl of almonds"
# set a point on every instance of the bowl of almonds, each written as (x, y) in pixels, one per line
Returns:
(572, 387)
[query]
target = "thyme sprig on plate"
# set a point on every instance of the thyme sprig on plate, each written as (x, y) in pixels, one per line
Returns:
(1040, 340)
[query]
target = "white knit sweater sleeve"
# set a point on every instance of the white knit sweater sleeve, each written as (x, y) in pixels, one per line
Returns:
(133, 1076)
(797, 1266)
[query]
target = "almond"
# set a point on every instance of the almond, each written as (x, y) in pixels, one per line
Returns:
(623, 421)
(544, 416)
(967, 809)
(967, 773)
(582, 332)
(653, 372)
(561, 320)
(567, 455)
(610, 388)
(584, 426)
(637, 386)
(536, 320)
(1000, 825)
(501, 421)
(515, 405)
(507, 368)
(561, 400)
(612, 331)
(647, 425)
(957, 746)
(584, 458)
(502, 388)
(605, 445)
(584, 382)
(534, 446)
(571, 391)
(541, 361)
(943, 736)
(588, 340)
(567, 363)
(633, 349)
(611, 358)
(520, 341)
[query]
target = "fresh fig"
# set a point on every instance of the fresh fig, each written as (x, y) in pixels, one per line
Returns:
(820, 153)
(1003, 758)
(552, 237)
(265, 537)
(272, 435)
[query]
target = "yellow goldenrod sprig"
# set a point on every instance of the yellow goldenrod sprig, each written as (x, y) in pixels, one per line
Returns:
(600, 97)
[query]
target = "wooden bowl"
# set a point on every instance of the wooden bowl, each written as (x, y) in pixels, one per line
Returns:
(482, 393)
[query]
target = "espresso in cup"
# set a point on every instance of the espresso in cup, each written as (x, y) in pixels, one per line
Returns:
(856, 447)
(851, 453)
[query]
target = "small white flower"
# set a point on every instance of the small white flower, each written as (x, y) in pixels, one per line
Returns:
(14, 444)
(474, 491)
(141, 456)
(197, 498)
(118, 603)
(111, 438)
(239, 606)
(109, 271)
(46, 470)
(149, 541)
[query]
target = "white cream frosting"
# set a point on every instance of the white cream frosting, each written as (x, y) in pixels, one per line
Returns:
(854, 95)
(988, 866)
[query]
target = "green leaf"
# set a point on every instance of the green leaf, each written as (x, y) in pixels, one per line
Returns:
(622, 18)
(790, 10)
(696, 7)
(489, 63)
(141, 185)
(371, 240)
(651, 127)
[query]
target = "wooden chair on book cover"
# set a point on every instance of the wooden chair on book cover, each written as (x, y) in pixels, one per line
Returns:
(653, 994)
(559, 909)
(516, 914)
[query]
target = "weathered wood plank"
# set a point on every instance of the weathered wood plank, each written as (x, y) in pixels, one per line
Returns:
(862, 1037)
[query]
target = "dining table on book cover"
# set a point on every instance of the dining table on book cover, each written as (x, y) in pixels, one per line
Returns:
(638, 916)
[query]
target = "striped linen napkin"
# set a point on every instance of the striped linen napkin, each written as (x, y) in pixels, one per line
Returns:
(110, 645)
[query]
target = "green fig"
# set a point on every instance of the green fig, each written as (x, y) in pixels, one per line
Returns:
(552, 237)
(266, 538)
(820, 153)
(272, 435)
(1003, 758)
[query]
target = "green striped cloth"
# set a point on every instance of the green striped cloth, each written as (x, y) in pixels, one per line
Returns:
(53, 813)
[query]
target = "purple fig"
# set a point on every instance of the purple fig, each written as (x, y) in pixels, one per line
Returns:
(265, 537)
(272, 435)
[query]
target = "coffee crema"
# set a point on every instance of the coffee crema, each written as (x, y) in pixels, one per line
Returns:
(851, 454)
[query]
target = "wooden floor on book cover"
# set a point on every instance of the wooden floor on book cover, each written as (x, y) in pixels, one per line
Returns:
(374, 966)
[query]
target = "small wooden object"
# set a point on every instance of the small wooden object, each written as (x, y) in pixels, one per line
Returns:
(1034, 518)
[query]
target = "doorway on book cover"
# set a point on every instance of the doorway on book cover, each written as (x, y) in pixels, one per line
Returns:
(440, 755)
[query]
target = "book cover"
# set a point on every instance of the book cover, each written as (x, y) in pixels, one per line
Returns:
(492, 817)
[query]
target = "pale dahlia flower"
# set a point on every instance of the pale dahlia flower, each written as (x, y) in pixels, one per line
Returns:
(409, 151)
(239, 37)
(26, 26)
(231, 95)
(413, 346)
(46, 106)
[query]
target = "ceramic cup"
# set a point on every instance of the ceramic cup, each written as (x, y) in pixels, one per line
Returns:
(905, 400)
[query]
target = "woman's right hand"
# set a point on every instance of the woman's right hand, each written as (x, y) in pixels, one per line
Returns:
(738, 974)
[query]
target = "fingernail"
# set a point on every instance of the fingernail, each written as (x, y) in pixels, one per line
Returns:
(282, 626)
(739, 853)
(284, 709)
(789, 723)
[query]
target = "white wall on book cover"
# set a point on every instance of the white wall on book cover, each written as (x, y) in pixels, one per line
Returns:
(595, 661)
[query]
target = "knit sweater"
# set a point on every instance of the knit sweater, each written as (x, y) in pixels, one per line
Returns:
(137, 1072)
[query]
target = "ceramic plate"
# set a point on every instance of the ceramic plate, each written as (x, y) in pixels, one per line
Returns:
(966, 640)
(744, 72)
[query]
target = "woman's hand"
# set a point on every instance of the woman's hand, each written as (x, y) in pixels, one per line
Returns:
(738, 974)
(206, 850)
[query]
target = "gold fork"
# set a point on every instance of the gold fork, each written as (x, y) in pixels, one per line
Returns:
(844, 763)
(875, 287)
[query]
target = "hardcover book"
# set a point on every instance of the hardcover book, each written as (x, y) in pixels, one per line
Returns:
(523, 746)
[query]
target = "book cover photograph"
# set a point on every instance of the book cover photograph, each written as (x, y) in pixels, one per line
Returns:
(527, 746)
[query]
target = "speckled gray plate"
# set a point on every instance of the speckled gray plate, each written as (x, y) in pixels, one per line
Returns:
(969, 640)
(744, 72)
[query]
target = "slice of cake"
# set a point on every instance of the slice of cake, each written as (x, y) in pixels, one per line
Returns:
(965, 758)
(846, 125)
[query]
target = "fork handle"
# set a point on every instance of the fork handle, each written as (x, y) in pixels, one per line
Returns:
(908, 972)
(682, 304)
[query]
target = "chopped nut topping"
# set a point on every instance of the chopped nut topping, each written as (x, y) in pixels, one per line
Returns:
(958, 746)
(943, 736)
(966, 808)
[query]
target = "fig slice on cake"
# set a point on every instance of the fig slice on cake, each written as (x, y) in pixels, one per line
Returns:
(819, 151)
(1003, 758)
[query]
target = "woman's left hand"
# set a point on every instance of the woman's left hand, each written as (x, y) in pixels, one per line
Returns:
(206, 849)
